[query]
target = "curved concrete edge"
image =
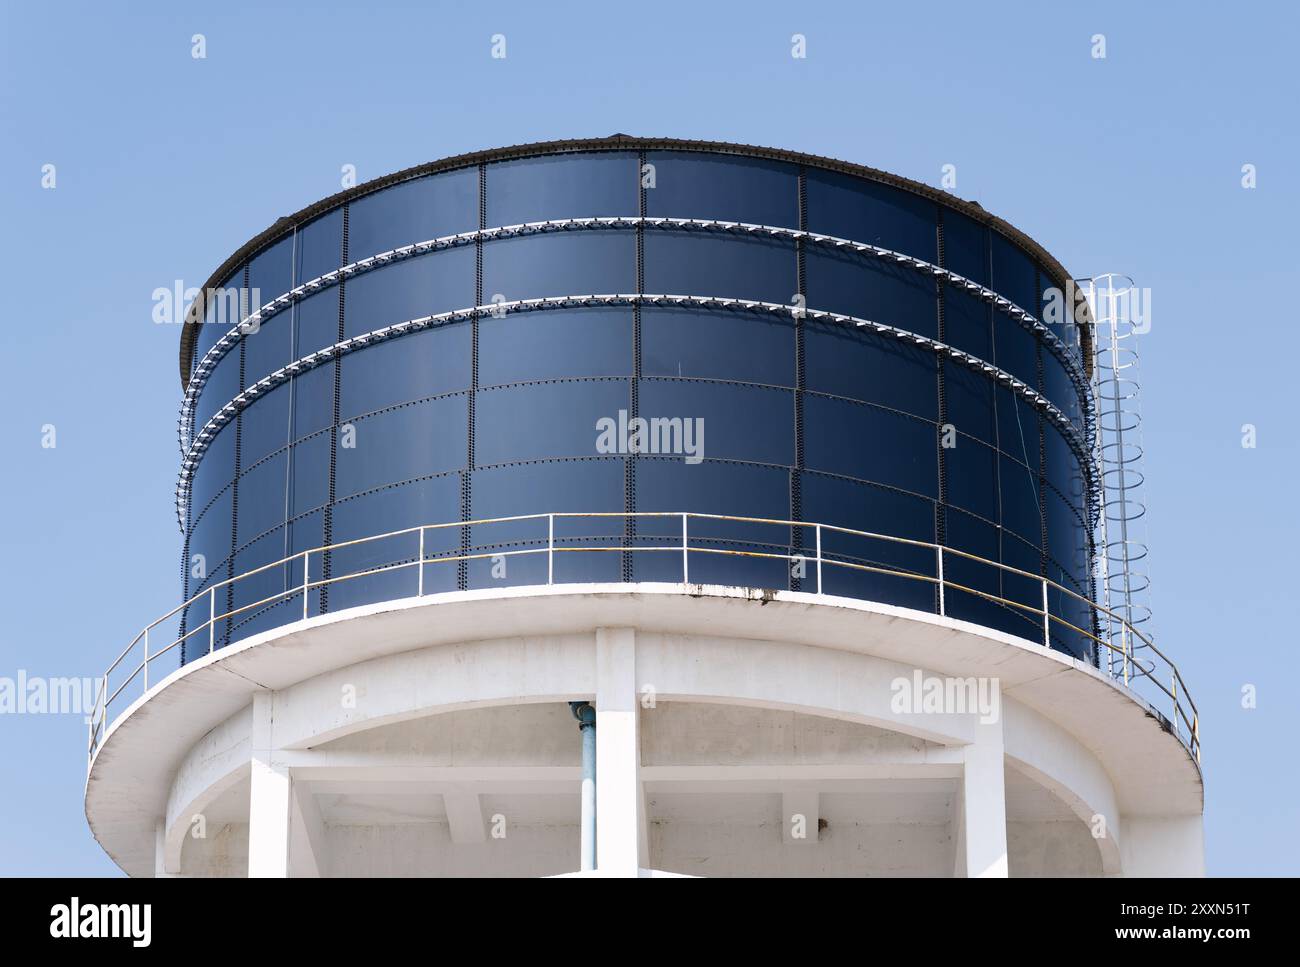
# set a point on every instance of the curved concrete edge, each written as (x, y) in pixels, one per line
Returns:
(698, 667)
(642, 874)
(133, 773)
(219, 761)
(1056, 760)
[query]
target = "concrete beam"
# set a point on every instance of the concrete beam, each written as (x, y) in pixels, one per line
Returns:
(562, 785)
(507, 671)
(942, 764)
(781, 675)
(382, 767)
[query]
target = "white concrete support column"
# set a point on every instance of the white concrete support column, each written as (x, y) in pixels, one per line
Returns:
(620, 810)
(270, 798)
(982, 833)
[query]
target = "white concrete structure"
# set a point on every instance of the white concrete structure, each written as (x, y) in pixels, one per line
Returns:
(738, 733)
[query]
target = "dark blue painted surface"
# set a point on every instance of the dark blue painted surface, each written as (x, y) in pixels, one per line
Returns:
(498, 416)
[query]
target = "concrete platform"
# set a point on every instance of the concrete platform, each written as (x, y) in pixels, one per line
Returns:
(1071, 749)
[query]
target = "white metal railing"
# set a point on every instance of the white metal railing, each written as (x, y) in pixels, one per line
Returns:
(1151, 671)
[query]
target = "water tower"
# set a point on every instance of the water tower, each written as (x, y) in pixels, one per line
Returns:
(644, 507)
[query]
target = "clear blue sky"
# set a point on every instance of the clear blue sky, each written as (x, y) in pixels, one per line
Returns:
(165, 164)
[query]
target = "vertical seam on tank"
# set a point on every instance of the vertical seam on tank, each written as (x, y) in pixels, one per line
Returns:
(800, 381)
(466, 480)
(290, 478)
(634, 393)
(1043, 557)
(941, 388)
(990, 321)
(328, 517)
(234, 487)
(1042, 442)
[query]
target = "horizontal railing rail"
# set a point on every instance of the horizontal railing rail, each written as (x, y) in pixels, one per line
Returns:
(1137, 660)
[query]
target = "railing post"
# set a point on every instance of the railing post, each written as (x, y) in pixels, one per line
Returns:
(419, 586)
(939, 555)
(819, 558)
(146, 659)
(212, 618)
(1047, 619)
(1123, 648)
(1173, 682)
(100, 696)
(306, 588)
(550, 548)
(686, 574)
